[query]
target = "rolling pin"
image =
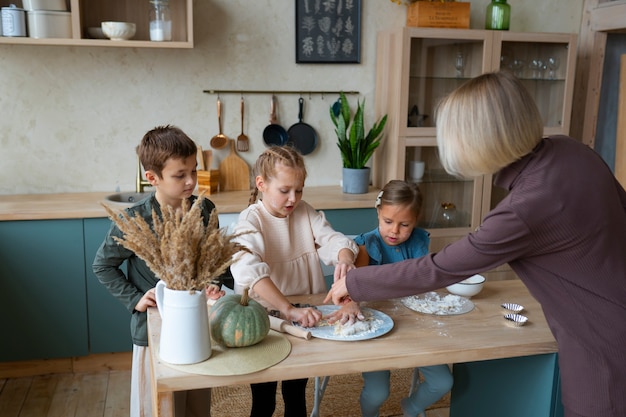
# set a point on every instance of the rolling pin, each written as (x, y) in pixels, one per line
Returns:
(282, 326)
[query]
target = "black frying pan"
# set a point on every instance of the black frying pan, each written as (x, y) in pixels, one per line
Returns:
(301, 135)
(274, 134)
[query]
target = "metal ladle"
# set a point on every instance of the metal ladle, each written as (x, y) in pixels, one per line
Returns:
(220, 140)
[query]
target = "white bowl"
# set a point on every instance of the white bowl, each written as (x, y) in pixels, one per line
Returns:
(468, 287)
(118, 31)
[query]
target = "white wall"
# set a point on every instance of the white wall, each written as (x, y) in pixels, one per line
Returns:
(70, 117)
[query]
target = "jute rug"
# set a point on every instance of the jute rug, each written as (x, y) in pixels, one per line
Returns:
(341, 398)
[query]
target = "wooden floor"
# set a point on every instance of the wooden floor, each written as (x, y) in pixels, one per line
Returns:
(91, 394)
(88, 394)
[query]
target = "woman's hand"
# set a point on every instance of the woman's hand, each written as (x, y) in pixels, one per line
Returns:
(338, 292)
(349, 313)
(305, 317)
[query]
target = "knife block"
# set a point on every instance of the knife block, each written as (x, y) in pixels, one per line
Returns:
(208, 181)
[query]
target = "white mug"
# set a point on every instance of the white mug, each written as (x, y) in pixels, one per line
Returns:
(416, 170)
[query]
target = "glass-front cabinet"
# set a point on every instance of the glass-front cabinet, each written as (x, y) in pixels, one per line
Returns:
(416, 67)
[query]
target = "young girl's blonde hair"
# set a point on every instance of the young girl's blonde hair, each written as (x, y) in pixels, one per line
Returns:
(265, 165)
(486, 124)
(401, 193)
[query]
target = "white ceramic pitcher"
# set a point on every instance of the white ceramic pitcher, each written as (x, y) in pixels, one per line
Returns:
(185, 335)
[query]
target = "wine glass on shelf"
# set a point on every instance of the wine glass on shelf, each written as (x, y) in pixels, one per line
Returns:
(517, 66)
(553, 66)
(505, 61)
(536, 67)
(459, 63)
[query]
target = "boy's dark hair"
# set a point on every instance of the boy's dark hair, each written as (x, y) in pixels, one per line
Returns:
(162, 143)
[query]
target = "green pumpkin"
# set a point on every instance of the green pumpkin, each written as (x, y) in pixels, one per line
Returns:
(237, 321)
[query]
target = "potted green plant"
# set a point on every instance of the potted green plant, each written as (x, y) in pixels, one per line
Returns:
(355, 146)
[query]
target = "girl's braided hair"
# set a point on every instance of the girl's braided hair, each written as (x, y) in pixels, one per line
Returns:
(265, 165)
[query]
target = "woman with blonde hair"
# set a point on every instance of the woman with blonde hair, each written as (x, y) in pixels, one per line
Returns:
(561, 228)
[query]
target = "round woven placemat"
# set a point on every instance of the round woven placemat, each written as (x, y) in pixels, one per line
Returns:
(244, 360)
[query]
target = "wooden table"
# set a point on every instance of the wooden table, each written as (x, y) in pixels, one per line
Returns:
(471, 341)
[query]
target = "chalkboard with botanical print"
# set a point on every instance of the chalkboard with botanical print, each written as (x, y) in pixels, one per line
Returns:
(328, 31)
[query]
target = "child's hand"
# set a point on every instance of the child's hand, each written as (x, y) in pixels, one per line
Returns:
(148, 300)
(305, 317)
(348, 313)
(341, 269)
(345, 263)
(213, 292)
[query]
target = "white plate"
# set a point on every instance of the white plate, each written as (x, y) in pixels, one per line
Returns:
(438, 304)
(381, 324)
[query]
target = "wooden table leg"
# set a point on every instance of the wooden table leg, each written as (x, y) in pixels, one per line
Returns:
(165, 404)
(162, 402)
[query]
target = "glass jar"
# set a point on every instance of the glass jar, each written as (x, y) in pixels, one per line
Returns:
(449, 215)
(160, 21)
(498, 15)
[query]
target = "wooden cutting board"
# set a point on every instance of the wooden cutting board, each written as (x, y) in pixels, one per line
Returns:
(234, 171)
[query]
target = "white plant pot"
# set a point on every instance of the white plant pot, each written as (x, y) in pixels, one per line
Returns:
(185, 337)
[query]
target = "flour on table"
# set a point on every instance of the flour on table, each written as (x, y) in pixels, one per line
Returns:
(433, 303)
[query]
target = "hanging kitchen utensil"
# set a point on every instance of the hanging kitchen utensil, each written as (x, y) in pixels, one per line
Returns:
(242, 140)
(274, 134)
(301, 135)
(208, 159)
(234, 171)
(220, 140)
(200, 158)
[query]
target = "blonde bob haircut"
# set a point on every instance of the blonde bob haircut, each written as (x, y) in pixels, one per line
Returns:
(486, 124)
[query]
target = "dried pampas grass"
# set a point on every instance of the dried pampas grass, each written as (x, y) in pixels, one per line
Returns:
(179, 248)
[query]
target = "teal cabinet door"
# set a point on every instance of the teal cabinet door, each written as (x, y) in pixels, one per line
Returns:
(42, 290)
(513, 387)
(352, 221)
(109, 321)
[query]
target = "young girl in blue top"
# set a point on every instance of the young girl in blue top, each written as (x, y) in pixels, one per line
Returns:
(398, 238)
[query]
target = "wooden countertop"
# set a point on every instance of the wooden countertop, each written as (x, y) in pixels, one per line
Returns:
(87, 205)
(415, 340)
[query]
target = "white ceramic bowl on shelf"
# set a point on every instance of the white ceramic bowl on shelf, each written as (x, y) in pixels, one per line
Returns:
(118, 31)
(468, 287)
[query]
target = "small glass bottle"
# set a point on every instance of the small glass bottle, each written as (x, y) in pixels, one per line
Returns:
(160, 21)
(498, 15)
(449, 216)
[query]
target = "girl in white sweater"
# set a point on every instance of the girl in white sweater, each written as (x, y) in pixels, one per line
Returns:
(284, 258)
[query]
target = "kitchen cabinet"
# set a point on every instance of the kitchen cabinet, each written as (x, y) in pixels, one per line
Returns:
(90, 13)
(58, 308)
(354, 221)
(42, 290)
(53, 303)
(416, 67)
(109, 321)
